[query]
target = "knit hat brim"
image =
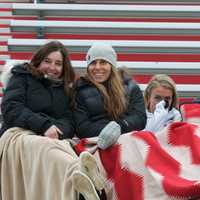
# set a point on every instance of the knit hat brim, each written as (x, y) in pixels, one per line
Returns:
(101, 51)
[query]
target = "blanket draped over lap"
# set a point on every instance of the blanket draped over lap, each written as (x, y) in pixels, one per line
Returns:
(140, 166)
(155, 166)
(35, 167)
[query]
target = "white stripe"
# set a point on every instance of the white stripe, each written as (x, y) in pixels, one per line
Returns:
(3, 48)
(114, 43)
(100, 7)
(180, 153)
(180, 87)
(4, 38)
(4, 57)
(5, 21)
(140, 150)
(5, 13)
(99, 24)
(147, 65)
(4, 30)
(5, 5)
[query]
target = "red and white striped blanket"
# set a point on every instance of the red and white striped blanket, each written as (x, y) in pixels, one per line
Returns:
(155, 166)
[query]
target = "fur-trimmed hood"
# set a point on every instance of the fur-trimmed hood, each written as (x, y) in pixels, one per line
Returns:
(6, 74)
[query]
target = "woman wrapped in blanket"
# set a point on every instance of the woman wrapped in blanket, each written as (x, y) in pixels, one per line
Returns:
(106, 104)
(37, 97)
(161, 100)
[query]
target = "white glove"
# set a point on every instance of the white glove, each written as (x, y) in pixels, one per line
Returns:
(109, 135)
(157, 120)
(173, 116)
(160, 110)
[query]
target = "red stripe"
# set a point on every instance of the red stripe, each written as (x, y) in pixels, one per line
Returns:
(123, 37)
(148, 57)
(6, 34)
(21, 55)
(178, 78)
(121, 176)
(185, 99)
(19, 17)
(190, 111)
(158, 159)
(24, 35)
(164, 164)
(140, 78)
(124, 178)
(160, 57)
(4, 25)
(2, 62)
(124, 19)
(5, 9)
(107, 37)
(4, 53)
(137, 57)
(180, 187)
(104, 19)
(4, 43)
(183, 134)
(21, 35)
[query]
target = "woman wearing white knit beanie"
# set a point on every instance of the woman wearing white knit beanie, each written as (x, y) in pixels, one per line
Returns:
(106, 104)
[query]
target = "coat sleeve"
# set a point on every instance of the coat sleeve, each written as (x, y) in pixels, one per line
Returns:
(65, 124)
(135, 116)
(85, 126)
(14, 109)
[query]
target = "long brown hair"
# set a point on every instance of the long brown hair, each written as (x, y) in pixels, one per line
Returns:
(68, 73)
(164, 81)
(114, 94)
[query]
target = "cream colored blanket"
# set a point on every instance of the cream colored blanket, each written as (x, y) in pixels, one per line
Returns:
(36, 168)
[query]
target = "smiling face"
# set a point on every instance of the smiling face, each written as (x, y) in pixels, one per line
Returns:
(158, 94)
(52, 65)
(99, 70)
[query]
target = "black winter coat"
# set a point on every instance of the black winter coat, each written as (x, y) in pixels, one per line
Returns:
(91, 117)
(35, 104)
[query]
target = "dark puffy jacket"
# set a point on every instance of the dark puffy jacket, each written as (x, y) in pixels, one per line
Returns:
(35, 104)
(91, 117)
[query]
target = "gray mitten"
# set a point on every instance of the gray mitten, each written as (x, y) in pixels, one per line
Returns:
(109, 135)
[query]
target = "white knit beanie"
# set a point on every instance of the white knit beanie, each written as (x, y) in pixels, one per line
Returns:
(103, 51)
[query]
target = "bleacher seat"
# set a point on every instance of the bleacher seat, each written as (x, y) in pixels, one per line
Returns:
(149, 38)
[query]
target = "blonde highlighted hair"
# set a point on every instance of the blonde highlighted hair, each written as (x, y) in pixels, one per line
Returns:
(164, 81)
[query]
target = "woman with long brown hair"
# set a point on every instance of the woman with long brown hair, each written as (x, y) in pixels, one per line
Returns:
(37, 112)
(103, 97)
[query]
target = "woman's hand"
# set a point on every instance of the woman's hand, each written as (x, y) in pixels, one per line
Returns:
(159, 118)
(53, 132)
